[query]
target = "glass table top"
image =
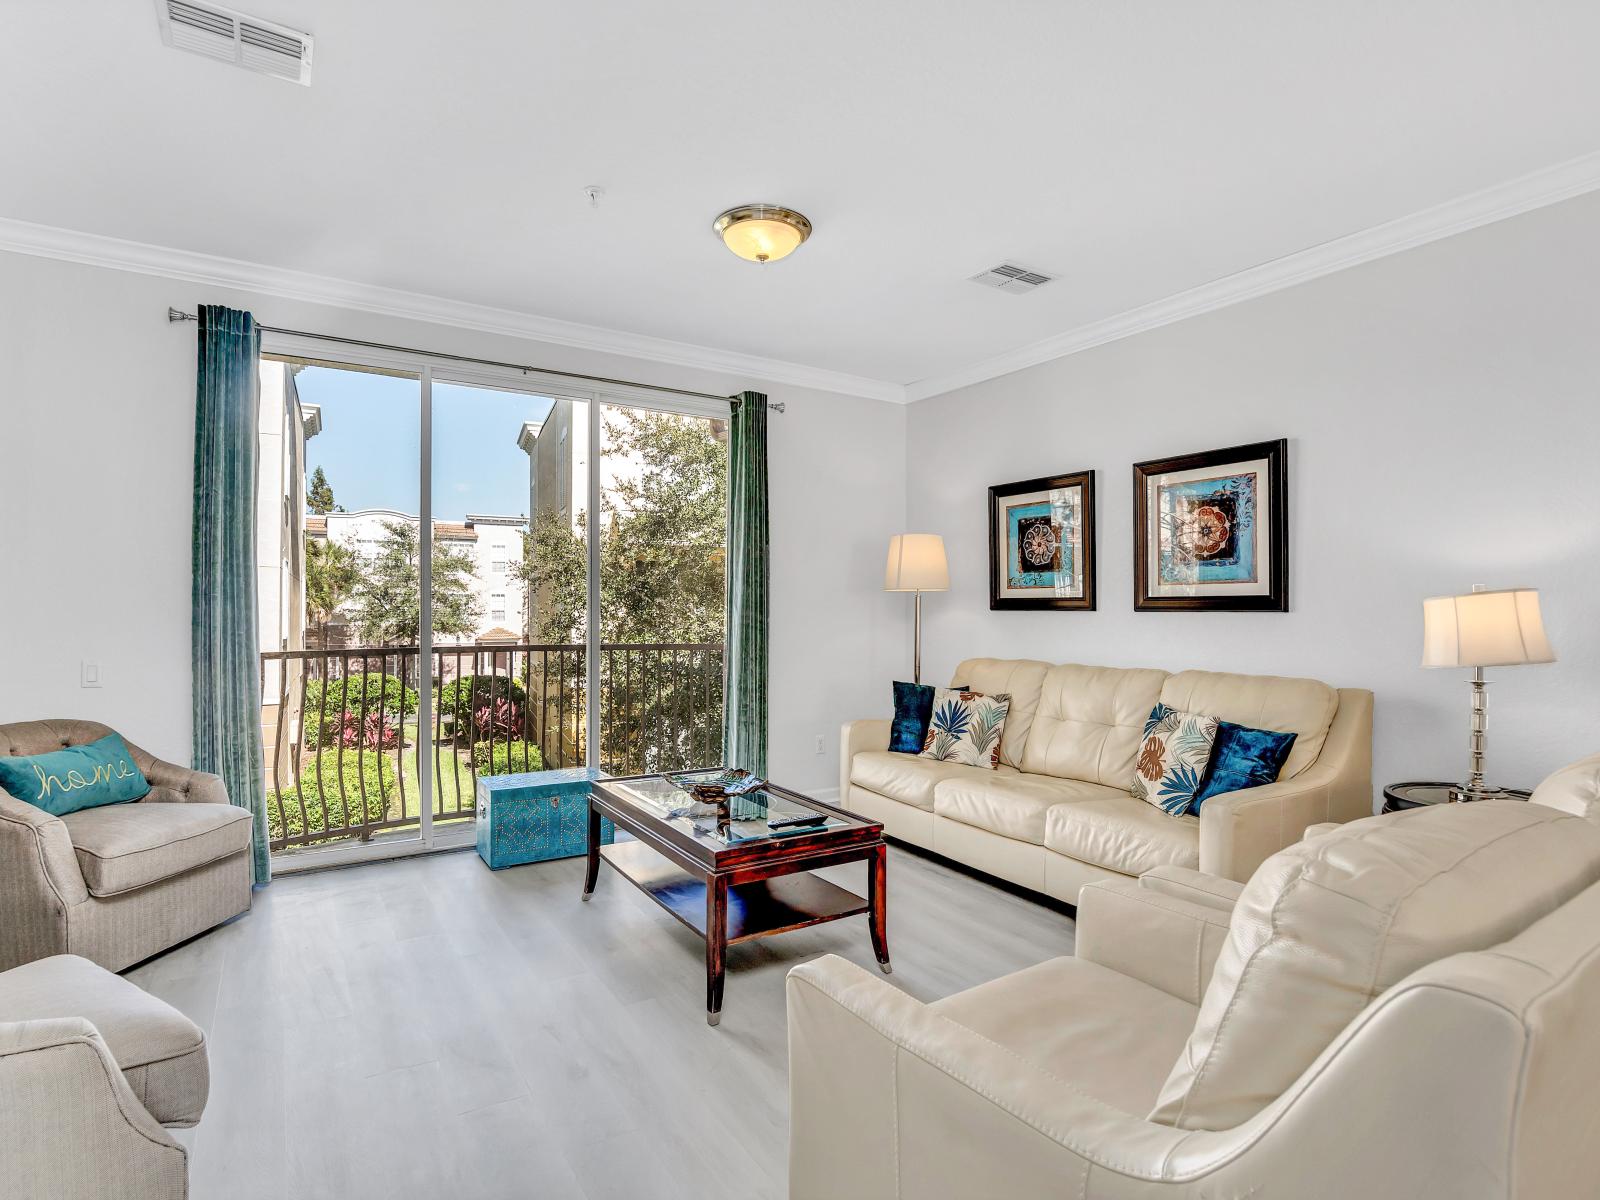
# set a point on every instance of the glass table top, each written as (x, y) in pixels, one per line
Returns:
(763, 813)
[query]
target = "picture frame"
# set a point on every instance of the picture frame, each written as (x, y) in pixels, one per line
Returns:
(1042, 543)
(1211, 530)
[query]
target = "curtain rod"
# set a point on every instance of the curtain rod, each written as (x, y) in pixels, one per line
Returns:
(175, 315)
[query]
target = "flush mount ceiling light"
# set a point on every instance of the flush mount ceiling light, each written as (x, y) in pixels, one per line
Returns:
(762, 232)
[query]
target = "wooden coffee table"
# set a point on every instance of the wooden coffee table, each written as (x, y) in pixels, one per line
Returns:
(726, 874)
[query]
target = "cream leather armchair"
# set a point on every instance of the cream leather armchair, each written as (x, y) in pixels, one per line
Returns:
(1399, 1007)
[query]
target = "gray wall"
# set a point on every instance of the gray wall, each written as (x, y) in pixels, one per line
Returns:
(1443, 414)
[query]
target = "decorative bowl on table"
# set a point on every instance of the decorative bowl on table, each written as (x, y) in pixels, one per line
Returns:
(717, 788)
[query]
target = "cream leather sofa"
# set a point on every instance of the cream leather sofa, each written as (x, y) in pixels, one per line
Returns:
(1400, 1007)
(1057, 813)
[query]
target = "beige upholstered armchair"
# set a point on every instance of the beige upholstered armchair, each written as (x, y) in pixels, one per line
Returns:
(1397, 1007)
(119, 883)
(91, 1070)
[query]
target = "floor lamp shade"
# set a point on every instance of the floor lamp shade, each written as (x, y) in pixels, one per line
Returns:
(1484, 629)
(916, 564)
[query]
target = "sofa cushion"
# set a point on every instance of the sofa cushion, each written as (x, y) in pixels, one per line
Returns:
(910, 778)
(1173, 758)
(1327, 924)
(161, 1052)
(1019, 678)
(1090, 723)
(913, 706)
(1120, 833)
(1111, 1035)
(130, 845)
(1013, 806)
(1242, 758)
(966, 727)
(1303, 707)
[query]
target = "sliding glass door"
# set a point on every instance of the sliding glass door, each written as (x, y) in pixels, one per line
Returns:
(338, 539)
(510, 585)
(663, 552)
(470, 571)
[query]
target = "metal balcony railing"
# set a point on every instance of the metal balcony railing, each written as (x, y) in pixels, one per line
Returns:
(341, 729)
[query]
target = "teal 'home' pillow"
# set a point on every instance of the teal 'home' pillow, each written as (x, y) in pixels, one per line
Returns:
(1242, 758)
(65, 781)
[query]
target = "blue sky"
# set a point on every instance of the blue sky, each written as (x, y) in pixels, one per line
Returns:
(370, 436)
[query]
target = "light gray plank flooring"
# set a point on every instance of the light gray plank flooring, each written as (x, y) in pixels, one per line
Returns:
(428, 1028)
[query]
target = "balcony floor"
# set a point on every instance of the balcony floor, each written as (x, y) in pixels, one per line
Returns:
(426, 1027)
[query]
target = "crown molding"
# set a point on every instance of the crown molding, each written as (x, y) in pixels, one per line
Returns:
(1523, 194)
(47, 241)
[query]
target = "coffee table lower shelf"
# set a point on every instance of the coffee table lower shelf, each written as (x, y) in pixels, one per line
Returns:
(757, 909)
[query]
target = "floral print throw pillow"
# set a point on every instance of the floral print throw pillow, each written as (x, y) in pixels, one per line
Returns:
(965, 727)
(1172, 759)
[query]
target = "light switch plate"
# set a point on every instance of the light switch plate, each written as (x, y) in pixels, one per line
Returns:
(90, 676)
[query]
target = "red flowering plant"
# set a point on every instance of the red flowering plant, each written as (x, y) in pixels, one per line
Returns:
(373, 733)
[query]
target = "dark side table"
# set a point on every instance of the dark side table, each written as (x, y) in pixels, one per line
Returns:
(1398, 796)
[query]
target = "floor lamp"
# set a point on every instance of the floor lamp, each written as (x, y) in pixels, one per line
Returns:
(1483, 629)
(916, 564)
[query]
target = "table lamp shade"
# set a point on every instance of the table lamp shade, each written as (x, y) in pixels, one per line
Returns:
(916, 564)
(1484, 629)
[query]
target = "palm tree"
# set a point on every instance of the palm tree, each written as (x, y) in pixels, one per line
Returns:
(332, 573)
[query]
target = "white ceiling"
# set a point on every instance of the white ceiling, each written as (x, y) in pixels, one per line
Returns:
(1136, 150)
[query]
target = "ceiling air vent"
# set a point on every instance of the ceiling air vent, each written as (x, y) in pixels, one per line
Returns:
(231, 36)
(1011, 278)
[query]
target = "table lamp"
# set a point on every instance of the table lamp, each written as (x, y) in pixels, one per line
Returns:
(1483, 629)
(916, 564)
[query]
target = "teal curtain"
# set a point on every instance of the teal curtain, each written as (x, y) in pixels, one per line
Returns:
(744, 706)
(227, 713)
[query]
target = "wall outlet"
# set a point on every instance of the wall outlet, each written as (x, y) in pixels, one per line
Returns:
(819, 743)
(89, 675)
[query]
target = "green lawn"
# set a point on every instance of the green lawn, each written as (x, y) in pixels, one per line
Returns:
(454, 794)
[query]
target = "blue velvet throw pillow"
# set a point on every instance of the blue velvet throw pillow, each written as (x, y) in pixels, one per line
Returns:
(1242, 758)
(78, 777)
(913, 709)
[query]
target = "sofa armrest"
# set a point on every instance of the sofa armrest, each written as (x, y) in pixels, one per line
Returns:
(886, 1097)
(39, 881)
(72, 1125)
(1159, 939)
(854, 737)
(1197, 887)
(1241, 830)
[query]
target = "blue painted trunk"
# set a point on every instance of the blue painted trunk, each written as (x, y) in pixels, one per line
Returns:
(536, 816)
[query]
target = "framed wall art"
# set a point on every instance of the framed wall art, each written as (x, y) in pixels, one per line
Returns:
(1211, 530)
(1041, 543)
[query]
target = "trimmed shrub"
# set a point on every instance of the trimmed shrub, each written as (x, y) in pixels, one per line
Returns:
(497, 758)
(468, 704)
(345, 698)
(473, 691)
(335, 801)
